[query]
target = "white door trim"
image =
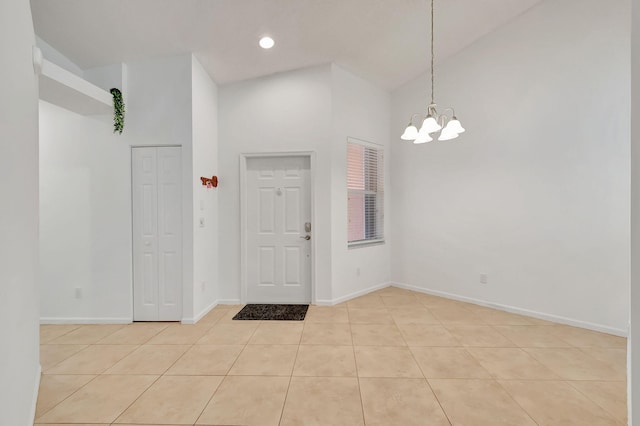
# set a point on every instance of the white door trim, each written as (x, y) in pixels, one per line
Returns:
(243, 215)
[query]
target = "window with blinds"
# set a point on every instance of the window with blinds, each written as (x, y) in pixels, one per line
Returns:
(365, 184)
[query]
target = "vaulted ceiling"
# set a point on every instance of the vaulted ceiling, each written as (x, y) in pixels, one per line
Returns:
(384, 41)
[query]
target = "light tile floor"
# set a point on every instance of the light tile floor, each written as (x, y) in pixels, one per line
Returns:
(392, 357)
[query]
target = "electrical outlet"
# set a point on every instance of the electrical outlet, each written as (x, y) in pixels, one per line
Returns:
(484, 278)
(78, 292)
(357, 272)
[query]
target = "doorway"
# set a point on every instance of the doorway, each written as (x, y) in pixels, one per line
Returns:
(277, 228)
(157, 233)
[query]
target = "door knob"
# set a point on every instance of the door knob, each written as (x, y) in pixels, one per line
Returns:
(306, 237)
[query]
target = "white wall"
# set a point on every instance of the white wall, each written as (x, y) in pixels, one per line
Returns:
(86, 192)
(19, 356)
(107, 77)
(313, 109)
(536, 193)
(362, 111)
(205, 201)
(633, 366)
(85, 220)
(283, 112)
(159, 113)
(53, 55)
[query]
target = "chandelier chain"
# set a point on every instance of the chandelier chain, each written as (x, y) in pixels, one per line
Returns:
(432, 56)
(443, 126)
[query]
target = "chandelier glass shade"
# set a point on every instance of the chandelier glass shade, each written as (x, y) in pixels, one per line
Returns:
(442, 127)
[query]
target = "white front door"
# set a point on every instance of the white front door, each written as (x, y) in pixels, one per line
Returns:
(278, 230)
(157, 234)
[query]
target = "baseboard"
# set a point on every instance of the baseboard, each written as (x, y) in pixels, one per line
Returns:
(326, 302)
(346, 297)
(630, 364)
(360, 293)
(229, 302)
(36, 390)
(516, 310)
(198, 317)
(75, 320)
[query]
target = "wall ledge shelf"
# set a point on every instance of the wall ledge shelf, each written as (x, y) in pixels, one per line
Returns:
(70, 91)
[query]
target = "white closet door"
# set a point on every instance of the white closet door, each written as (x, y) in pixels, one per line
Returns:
(145, 234)
(157, 234)
(169, 234)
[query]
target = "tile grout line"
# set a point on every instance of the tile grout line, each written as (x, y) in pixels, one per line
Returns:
(159, 331)
(57, 337)
(493, 327)
(438, 401)
(159, 376)
(165, 371)
(95, 344)
(87, 346)
(224, 377)
(517, 403)
(80, 326)
(122, 328)
(355, 361)
(138, 397)
(585, 350)
(151, 385)
(97, 373)
(103, 373)
(570, 383)
(243, 349)
(60, 362)
(244, 346)
(68, 396)
(293, 367)
(423, 374)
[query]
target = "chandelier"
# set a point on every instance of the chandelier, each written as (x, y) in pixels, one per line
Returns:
(434, 125)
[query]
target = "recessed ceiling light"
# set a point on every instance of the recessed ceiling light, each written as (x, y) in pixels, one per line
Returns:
(267, 42)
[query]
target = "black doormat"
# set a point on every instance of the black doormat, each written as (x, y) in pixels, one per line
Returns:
(272, 312)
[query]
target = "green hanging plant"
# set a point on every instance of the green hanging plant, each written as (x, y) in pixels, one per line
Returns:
(118, 111)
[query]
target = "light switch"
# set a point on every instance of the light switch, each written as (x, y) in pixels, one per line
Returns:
(202, 222)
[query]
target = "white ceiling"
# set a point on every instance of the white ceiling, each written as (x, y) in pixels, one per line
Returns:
(384, 41)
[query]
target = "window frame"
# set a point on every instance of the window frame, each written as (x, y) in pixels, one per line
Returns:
(379, 194)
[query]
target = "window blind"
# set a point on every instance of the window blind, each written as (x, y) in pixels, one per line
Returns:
(365, 185)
